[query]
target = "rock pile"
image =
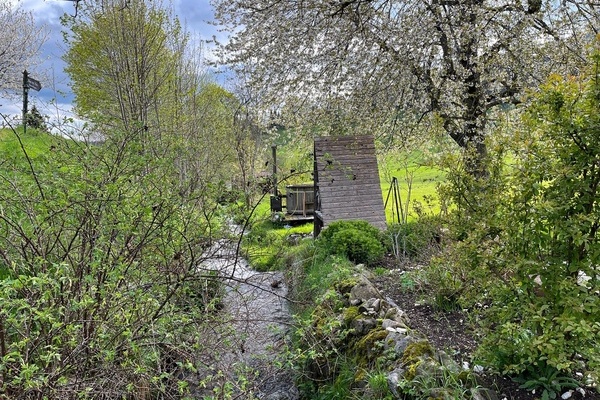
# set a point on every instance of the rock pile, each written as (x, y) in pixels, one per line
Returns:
(376, 334)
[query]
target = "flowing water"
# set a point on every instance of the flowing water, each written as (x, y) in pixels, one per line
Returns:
(251, 338)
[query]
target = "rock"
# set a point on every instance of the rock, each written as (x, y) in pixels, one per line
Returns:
(427, 368)
(478, 369)
(364, 290)
(401, 344)
(363, 309)
(397, 330)
(567, 395)
(363, 325)
(392, 338)
(393, 379)
(483, 394)
(389, 323)
(374, 304)
(446, 361)
(396, 314)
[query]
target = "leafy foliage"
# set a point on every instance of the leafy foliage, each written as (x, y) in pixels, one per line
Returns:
(528, 242)
(357, 240)
(369, 230)
(357, 246)
(35, 120)
(99, 250)
(415, 238)
(552, 239)
(548, 379)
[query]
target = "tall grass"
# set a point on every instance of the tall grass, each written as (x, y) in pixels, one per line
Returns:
(417, 183)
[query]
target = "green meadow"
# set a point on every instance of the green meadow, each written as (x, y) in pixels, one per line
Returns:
(33, 142)
(416, 189)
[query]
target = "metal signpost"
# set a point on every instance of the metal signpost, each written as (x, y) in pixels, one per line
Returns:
(28, 83)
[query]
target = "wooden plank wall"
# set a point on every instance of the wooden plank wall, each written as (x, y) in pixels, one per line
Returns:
(347, 180)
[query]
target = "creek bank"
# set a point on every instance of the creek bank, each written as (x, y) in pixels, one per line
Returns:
(353, 320)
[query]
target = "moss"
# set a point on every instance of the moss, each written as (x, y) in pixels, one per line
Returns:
(366, 348)
(320, 320)
(465, 377)
(416, 350)
(411, 371)
(345, 286)
(350, 314)
(361, 375)
(413, 357)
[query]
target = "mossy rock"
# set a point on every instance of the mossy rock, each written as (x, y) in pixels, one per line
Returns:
(366, 349)
(324, 322)
(350, 314)
(414, 355)
(345, 286)
(416, 350)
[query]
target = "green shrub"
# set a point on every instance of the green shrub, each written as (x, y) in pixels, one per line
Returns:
(98, 294)
(530, 243)
(363, 226)
(358, 240)
(358, 247)
(548, 380)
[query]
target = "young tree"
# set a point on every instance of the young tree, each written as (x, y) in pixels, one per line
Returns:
(401, 61)
(134, 69)
(122, 62)
(35, 120)
(20, 41)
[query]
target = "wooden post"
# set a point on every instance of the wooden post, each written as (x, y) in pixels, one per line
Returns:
(25, 87)
(274, 152)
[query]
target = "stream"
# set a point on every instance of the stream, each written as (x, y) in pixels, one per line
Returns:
(249, 341)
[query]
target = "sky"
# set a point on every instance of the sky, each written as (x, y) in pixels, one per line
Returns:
(55, 99)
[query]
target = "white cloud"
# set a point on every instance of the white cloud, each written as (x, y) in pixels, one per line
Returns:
(194, 14)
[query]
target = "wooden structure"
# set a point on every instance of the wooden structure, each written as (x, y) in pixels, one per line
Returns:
(347, 183)
(300, 199)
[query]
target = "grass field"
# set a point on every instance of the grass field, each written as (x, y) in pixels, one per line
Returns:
(417, 184)
(34, 142)
(12, 157)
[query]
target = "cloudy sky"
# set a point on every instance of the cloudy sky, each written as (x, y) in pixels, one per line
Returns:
(55, 98)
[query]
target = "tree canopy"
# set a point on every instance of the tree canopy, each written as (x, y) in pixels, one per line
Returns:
(394, 63)
(20, 41)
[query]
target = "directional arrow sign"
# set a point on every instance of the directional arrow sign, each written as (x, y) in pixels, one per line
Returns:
(33, 84)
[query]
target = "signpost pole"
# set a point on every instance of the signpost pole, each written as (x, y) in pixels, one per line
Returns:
(25, 90)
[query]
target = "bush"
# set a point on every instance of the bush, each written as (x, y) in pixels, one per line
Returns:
(357, 240)
(358, 247)
(360, 225)
(100, 254)
(535, 235)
